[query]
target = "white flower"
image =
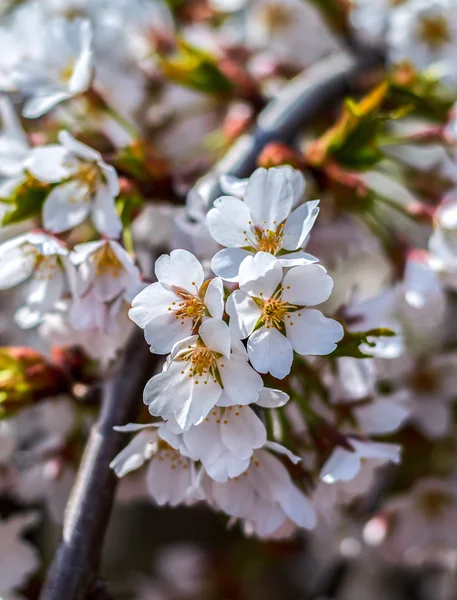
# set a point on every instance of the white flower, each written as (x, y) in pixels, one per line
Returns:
(106, 276)
(97, 343)
(428, 384)
(14, 150)
(424, 32)
(424, 519)
(291, 31)
(264, 496)
(86, 186)
(19, 557)
(268, 308)
(344, 463)
(174, 307)
(44, 260)
(263, 222)
(170, 475)
(203, 371)
(226, 439)
(443, 242)
(355, 390)
(371, 17)
(62, 69)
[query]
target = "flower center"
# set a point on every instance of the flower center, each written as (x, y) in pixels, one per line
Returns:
(190, 307)
(165, 452)
(434, 30)
(276, 17)
(273, 312)
(201, 362)
(66, 73)
(45, 267)
(269, 241)
(107, 263)
(89, 174)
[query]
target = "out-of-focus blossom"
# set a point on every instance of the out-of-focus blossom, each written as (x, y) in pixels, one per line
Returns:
(264, 497)
(86, 186)
(290, 31)
(19, 557)
(106, 278)
(44, 260)
(62, 68)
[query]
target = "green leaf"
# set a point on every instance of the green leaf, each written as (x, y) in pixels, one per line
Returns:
(351, 342)
(26, 201)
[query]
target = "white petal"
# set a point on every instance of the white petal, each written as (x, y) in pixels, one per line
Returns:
(269, 398)
(201, 399)
(226, 263)
(104, 215)
(164, 330)
(216, 336)
(229, 223)
(381, 416)
(226, 467)
(135, 454)
(310, 333)
(150, 302)
(65, 207)
(242, 431)
(232, 186)
(180, 270)
(269, 197)
(299, 224)
(342, 465)
(166, 392)
(379, 450)
(82, 72)
(244, 313)
(15, 265)
(48, 163)
(241, 383)
(270, 352)
(299, 509)
(40, 104)
(296, 259)
(307, 285)
(78, 148)
(214, 298)
(134, 427)
(203, 441)
(260, 275)
(280, 449)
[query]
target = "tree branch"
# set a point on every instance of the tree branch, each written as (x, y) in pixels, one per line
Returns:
(75, 568)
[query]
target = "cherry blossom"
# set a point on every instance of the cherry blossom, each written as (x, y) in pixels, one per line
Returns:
(86, 186)
(262, 222)
(344, 463)
(170, 475)
(174, 307)
(106, 278)
(226, 439)
(45, 261)
(268, 308)
(201, 372)
(62, 69)
(264, 497)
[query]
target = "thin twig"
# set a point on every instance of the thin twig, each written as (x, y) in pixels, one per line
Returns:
(75, 567)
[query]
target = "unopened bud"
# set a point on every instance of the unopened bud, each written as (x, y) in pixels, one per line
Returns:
(25, 377)
(276, 154)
